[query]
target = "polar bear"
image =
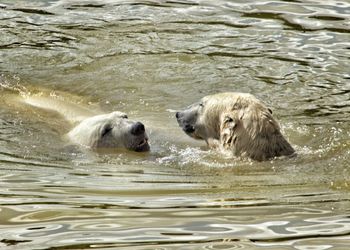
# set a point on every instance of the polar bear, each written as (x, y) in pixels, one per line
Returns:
(235, 122)
(112, 130)
(93, 129)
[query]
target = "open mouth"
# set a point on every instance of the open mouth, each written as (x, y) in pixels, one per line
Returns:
(143, 146)
(188, 129)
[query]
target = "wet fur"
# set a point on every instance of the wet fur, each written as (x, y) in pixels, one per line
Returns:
(89, 127)
(238, 123)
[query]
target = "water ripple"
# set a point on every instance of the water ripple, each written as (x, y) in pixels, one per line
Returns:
(149, 57)
(203, 228)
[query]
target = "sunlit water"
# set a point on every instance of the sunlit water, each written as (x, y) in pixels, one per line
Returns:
(149, 58)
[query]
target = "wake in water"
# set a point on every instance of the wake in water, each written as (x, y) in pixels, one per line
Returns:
(168, 144)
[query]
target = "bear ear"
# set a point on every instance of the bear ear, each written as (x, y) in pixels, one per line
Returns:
(106, 129)
(119, 114)
(124, 116)
(228, 129)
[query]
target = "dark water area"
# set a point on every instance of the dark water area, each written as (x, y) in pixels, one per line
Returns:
(148, 59)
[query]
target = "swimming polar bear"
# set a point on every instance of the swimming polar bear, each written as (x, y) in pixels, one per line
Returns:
(92, 129)
(235, 122)
(113, 130)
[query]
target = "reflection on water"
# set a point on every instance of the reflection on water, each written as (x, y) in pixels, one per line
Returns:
(150, 58)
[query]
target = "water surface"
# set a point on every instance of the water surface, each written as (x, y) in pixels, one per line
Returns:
(149, 58)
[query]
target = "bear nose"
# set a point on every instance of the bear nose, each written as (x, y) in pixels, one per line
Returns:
(177, 115)
(137, 128)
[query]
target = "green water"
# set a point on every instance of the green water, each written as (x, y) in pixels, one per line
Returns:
(148, 59)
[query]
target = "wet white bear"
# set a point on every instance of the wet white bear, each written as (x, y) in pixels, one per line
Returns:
(235, 122)
(112, 130)
(94, 130)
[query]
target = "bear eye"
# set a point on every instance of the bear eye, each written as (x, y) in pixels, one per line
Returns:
(106, 130)
(228, 119)
(201, 105)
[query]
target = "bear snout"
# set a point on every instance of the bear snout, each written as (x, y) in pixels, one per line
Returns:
(188, 128)
(179, 118)
(183, 123)
(137, 129)
(177, 115)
